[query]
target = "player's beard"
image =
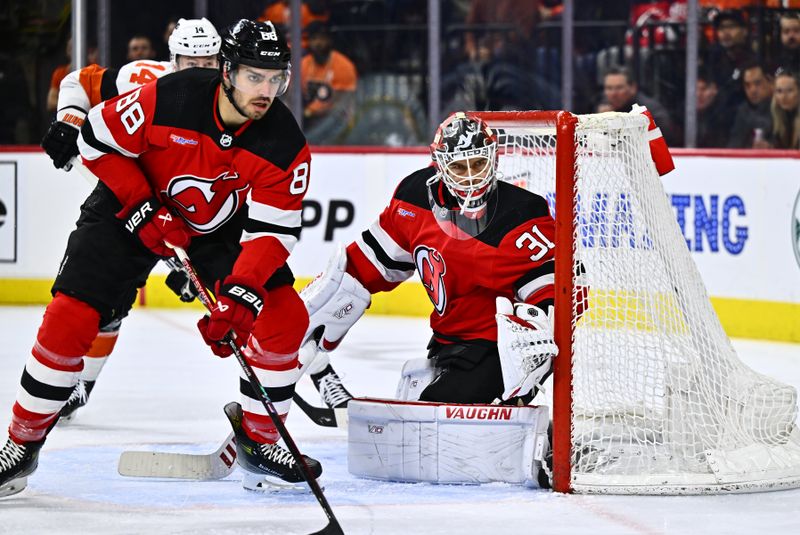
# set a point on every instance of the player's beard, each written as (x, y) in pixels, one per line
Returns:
(254, 107)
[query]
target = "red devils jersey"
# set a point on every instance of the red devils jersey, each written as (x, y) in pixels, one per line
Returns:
(166, 139)
(512, 257)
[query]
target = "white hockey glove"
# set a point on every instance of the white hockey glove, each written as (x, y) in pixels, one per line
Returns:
(526, 346)
(335, 301)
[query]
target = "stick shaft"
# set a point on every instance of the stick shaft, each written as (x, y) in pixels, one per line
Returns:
(207, 301)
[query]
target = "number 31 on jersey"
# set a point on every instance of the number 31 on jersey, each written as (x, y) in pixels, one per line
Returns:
(536, 241)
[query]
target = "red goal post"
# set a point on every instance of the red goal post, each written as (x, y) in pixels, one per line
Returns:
(649, 396)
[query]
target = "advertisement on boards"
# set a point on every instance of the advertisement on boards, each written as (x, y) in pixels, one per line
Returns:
(8, 212)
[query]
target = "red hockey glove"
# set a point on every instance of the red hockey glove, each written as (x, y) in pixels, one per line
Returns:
(155, 226)
(237, 306)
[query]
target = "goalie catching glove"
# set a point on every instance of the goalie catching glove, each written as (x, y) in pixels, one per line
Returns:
(525, 344)
(236, 309)
(335, 301)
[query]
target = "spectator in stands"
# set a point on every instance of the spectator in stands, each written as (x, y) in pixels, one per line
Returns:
(279, 13)
(500, 71)
(329, 80)
(62, 70)
(726, 58)
(140, 47)
(620, 93)
(789, 57)
(55, 79)
(514, 43)
(170, 27)
(753, 120)
(15, 113)
(785, 133)
(713, 124)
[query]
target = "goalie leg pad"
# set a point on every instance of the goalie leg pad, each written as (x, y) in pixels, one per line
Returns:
(446, 443)
(416, 375)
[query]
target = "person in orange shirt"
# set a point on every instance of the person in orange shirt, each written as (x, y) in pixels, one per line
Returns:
(310, 11)
(329, 81)
(62, 71)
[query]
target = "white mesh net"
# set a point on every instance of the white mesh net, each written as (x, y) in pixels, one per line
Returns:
(661, 403)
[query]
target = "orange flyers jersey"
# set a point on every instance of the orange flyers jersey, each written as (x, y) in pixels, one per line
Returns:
(512, 257)
(337, 74)
(91, 85)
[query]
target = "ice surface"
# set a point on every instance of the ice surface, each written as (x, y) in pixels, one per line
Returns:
(162, 389)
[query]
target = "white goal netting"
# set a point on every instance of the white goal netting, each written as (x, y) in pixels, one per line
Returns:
(661, 404)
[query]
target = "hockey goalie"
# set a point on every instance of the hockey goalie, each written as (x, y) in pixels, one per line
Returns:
(483, 249)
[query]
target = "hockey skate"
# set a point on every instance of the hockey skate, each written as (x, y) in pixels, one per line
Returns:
(267, 467)
(17, 462)
(331, 389)
(78, 398)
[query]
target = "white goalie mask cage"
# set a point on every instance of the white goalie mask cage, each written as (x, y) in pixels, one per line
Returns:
(464, 151)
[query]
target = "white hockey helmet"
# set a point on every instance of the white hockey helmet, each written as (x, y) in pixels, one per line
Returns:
(193, 37)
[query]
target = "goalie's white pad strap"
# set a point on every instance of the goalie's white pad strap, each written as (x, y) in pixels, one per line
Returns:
(445, 443)
(312, 360)
(320, 290)
(335, 301)
(416, 375)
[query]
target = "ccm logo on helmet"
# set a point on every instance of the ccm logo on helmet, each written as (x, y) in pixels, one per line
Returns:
(478, 413)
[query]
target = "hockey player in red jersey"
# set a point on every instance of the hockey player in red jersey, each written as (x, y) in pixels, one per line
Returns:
(193, 43)
(210, 161)
(477, 244)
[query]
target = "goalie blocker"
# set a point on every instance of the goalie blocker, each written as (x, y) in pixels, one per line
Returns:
(447, 443)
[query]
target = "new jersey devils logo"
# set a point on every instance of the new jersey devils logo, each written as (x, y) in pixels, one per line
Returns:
(207, 203)
(431, 269)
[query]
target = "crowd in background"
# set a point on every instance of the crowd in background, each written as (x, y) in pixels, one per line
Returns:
(365, 65)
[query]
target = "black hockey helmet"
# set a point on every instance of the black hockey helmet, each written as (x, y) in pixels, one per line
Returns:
(258, 44)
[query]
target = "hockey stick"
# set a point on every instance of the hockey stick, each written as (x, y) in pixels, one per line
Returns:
(217, 465)
(324, 416)
(333, 526)
(75, 163)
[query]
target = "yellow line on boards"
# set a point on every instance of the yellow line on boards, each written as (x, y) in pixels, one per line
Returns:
(741, 318)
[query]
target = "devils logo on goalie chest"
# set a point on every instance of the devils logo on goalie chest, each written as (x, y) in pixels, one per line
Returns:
(431, 268)
(207, 203)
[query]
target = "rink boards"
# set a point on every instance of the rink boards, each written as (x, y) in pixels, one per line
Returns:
(739, 213)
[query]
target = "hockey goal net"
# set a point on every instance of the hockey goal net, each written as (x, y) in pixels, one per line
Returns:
(649, 396)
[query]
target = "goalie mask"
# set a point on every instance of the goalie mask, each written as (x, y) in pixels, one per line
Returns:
(193, 38)
(464, 152)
